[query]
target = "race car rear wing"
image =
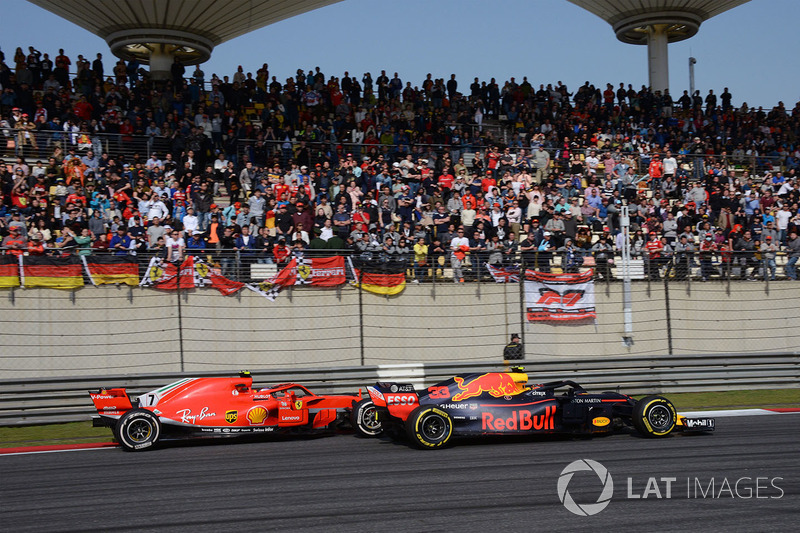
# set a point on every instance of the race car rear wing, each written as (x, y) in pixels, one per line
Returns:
(111, 401)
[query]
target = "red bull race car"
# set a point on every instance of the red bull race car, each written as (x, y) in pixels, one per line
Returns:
(501, 403)
(224, 407)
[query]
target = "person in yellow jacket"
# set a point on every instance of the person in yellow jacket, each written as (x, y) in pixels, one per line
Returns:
(420, 260)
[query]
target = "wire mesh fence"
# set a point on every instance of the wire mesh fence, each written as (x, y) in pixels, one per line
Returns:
(108, 329)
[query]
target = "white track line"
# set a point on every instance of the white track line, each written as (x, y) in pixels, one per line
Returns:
(735, 412)
(60, 451)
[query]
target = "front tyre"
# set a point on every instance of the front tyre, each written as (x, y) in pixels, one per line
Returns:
(654, 416)
(364, 418)
(138, 429)
(429, 427)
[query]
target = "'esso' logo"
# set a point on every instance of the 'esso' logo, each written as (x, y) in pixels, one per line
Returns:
(401, 399)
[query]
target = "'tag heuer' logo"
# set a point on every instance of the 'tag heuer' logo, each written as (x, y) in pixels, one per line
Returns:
(231, 416)
(257, 415)
(495, 383)
(568, 298)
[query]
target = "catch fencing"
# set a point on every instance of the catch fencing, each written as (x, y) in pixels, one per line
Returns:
(52, 400)
(110, 329)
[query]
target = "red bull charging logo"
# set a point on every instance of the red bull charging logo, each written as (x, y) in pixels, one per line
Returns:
(495, 383)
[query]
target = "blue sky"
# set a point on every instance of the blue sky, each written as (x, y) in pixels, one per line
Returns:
(747, 49)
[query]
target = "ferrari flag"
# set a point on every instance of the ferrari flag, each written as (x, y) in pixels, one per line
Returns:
(166, 276)
(316, 271)
(52, 272)
(194, 272)
(559, 297)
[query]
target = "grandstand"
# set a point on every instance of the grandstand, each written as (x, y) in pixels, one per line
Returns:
(88, 152)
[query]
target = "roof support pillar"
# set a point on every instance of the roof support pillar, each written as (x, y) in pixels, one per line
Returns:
(658, 57)
(161, 60)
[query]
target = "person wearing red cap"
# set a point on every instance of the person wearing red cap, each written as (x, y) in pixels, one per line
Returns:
(654, 249)
(15, 242)
(656, 171)
(302, 216)
(25, 134)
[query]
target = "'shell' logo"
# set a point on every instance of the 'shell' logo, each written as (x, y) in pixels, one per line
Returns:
(231, 416)
(496, 384)
(568, 298)
(257, 415)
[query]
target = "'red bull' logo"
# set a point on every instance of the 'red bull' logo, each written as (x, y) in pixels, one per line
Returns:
(551, 297)
(522, 420)
(495, 383)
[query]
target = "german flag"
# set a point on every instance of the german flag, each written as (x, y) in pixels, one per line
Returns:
(387, 278)
(9, 271)
(52, 272)
(112, 269)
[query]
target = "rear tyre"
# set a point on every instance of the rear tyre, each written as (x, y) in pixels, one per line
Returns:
(654, 416)
(364, 418)
(429, 427)
(138, 429)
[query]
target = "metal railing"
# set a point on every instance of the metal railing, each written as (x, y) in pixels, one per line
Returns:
(264, 153)
(258, 265)
(54, 400)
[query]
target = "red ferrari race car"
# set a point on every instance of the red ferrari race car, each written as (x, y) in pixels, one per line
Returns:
(501, 403)
(225, 407)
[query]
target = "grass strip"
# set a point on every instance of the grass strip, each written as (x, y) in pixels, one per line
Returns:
(735, 399)
(68, 433)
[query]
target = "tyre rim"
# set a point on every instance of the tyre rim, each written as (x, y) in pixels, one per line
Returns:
(433, 427)
(659, 417)
(369, 418)
(140, 430)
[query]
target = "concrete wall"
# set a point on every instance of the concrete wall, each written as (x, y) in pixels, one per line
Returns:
(110, 330)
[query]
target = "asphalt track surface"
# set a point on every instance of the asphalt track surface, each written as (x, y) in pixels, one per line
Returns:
(343, 483)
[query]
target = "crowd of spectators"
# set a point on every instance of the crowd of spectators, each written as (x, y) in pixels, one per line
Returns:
(268, 168)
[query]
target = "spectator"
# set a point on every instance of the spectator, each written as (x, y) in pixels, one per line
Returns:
(514, 349)
(121, 242)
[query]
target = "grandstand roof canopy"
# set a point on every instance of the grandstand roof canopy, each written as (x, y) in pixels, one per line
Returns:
(631, 18)
(188, 29)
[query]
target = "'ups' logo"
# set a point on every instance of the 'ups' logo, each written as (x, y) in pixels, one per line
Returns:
(231, 416)
(256, 415)
(304, 271)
